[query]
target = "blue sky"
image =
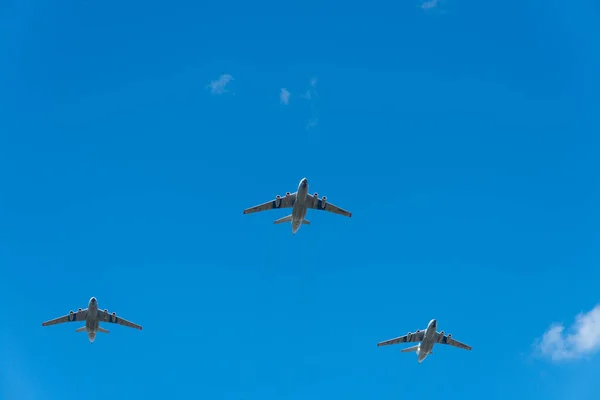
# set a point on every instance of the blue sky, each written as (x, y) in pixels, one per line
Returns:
(459, 133)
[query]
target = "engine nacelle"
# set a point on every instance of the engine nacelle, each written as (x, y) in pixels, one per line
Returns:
(287, 194)
(418, 330)
(277, 200)
(79, 310)
(323, 202)
(71, 312)
(316, 195)
(114, 314)
(105, 311)
(442, 333)
(408, 334)
(449, 335)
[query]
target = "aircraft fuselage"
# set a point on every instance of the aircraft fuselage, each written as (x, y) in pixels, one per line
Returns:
(91, 321)
(426, 346)
(299, 209)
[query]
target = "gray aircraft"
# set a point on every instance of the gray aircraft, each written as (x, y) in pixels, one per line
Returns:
(300, 201)
(92, 316)
(427, 339)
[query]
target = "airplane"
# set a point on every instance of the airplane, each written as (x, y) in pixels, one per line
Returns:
(427, 339)
(300, 201)
(92, 316)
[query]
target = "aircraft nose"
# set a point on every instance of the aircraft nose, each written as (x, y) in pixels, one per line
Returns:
(304, 182)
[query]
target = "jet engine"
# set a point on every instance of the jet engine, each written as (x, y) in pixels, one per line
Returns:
(105, 311)
(114, 314)
(71, 312)
(277, 200)
(418, 330)
(287, 194)
(449, 335)
(79, 310)
(316, 195)
(408, 334)
(323, 202)
(442, 333)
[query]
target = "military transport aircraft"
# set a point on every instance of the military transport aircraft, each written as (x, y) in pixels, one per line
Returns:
(300, 201)
(428, 338)
(92, 317)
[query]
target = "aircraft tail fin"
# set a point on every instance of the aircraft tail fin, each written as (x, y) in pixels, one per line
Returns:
(306, 222)
(410, 349)
(100, 329)
(287, 218)
(82, 329)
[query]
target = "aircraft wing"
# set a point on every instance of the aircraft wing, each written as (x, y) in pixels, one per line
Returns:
(410, 338)
(445, 339)
(113, 319)
(76, 316)
(283, 202)
(318, 204)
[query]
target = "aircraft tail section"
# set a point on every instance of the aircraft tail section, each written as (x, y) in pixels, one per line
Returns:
(82, 329)
(410, 349)
(100, 329)
(287, 218)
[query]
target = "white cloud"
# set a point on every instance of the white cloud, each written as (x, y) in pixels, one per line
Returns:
(219, 86)
(312, 123)
(430, 4)
(312, 90)
(284, 96)
(582, 338)
(311, 95)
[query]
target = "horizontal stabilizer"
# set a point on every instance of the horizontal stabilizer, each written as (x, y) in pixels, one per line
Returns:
(82, 329)
(100, 329)
(410, 349)
(306, 222)
(284, 219)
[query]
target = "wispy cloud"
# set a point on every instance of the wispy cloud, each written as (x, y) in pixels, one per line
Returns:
(427, 5)
(312, 90)
(284, 96)
(581, 339)
(219, 86)
(311, 95)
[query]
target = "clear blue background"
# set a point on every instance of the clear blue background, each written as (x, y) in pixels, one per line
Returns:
(463, 138)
